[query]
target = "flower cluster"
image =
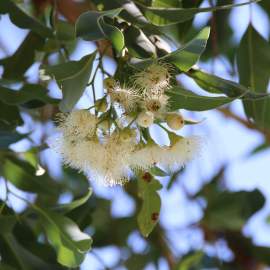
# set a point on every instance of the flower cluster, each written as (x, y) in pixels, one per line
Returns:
(111, 144)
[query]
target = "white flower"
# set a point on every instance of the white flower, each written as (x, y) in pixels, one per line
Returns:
(154, 79)
(155, 103)
(77, 125)
(145, 119)
(127, 98)
(181, 151)
(175, 121)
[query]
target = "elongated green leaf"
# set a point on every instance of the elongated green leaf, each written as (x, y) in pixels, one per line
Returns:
(151, 203)
(7, 223)
(16, 65)
(9, 117)
(217, 85)
(16, 255)
(64, 208)
(30, 95)
(72, 77)
(23, 20)
(185, 57)
(253, 60)
(70, 243)
(184, 99)
(22, 175)
(227, 210)
(166, 16)
(91, 25)
(8, 137)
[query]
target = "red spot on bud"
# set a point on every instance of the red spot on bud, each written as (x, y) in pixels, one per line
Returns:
(154, 216)
(147, 177)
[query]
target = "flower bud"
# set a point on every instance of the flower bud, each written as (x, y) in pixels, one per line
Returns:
(105, 125)
(109, 83)
(175, 121)
(145, 119)
(128, 135)
(101, 105)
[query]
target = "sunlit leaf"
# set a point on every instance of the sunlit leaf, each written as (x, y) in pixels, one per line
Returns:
(70, 243)
(151, 203)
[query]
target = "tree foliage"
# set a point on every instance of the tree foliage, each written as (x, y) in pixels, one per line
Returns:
(47, 234)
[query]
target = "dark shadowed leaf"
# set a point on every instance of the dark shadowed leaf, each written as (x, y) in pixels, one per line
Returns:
(8, 137)
(91, 25)
(180, 98)
(23, 20)
(9, 117)
(231, 210)
(166, 16)
(185, 57)
(16, 65)
(22, 175)
(253, 60)
(30, 96)
(218, 85)
(72, 78)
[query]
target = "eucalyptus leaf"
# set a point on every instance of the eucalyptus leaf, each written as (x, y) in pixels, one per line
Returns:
(30, 95)
(65, 208)
(151, 204)
(186, 56)
(167, 16)
(91, 25)
(23, 20)
(254, 72)
(180, 98)
(16, 65)
(72, 77)
(70, 243)
(22, 175)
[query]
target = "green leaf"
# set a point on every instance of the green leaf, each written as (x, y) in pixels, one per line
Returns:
(16, 65)
(254, 72)
(167, 16)
(9, 117)
(65, 208)
(137, 43)
(72, 78)
(217, 85)
(151, 204)
(70, 243)
(8, 137)
(16, 255)
(91, 25)
(185, 57)
(180, 98)
(23, 20)
(65, 31)
(7, 223)
(22, 175)
(231, 210)
(30, 95)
